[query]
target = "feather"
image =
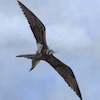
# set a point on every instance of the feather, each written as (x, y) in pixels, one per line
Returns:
(34, 63)
(66, 72)
(29, 56)
(36, 25)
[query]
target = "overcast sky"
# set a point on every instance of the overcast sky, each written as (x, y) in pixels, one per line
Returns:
(72, 29)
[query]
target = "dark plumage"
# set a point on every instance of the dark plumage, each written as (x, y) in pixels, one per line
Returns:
(44, 53)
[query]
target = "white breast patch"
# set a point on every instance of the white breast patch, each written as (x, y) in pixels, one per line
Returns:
(39, 47)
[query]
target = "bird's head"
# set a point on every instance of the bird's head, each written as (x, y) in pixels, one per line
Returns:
(50, 52)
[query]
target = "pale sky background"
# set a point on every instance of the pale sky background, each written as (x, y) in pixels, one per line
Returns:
(73, 30)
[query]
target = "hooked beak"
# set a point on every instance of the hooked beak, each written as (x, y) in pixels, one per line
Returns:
(52, 52)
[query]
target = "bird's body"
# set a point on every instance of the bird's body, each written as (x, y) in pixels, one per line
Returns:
(44, 53)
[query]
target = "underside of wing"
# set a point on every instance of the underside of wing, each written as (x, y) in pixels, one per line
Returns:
(36, 25)
(66, 72)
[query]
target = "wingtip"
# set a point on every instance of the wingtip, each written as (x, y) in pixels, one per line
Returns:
(80, 96)
(19, 2)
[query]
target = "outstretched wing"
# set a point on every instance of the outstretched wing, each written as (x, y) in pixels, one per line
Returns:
(35, 24)
(66, 72)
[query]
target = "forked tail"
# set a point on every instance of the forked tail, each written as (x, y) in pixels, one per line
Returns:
(29, 56)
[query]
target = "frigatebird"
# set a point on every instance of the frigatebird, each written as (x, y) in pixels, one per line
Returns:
(44, 53)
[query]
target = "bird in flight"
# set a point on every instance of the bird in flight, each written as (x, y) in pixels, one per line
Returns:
(44, 53)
